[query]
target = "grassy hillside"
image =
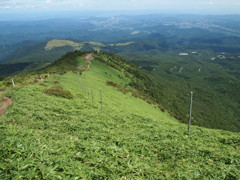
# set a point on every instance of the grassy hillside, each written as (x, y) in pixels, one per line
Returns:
(213, 77)
(47, 136)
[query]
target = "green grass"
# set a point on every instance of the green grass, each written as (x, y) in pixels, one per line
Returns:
(49, 137)
(215, 83)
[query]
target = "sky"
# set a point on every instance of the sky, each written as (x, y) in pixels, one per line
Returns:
(181, 6)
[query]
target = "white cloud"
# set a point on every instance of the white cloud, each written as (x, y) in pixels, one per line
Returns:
(48, 1)
(211, 3)
(7, 7)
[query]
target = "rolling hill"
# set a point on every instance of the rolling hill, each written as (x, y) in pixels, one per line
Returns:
(53, 49)
(85, 118)
(35, 56)
(212, 76)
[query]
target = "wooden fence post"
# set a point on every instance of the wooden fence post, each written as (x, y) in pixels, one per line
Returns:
(13, 83)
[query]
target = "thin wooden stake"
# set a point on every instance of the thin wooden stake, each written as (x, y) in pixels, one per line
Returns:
(190, 112)
(101, 98)
(13, 83)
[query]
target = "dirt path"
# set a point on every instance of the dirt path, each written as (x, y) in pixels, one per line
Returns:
(89, 57)
(5, 103)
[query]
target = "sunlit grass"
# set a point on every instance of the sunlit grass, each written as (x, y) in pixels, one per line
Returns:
(49, 137)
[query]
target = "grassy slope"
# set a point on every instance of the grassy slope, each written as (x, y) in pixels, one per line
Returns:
(50, 137)
(215, 87)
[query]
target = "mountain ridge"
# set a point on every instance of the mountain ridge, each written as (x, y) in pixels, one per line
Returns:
(162, 90)
(102, 131)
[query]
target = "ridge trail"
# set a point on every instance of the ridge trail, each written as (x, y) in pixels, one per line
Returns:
(6, 102)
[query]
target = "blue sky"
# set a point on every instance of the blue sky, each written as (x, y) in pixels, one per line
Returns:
(183, 6)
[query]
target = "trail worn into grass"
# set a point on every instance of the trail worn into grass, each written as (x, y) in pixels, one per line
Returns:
(6, 102)
(89, 57)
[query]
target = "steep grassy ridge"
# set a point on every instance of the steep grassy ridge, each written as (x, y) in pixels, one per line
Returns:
(50, 137)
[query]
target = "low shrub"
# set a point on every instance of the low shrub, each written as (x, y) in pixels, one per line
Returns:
(42, 84)
(59, 92)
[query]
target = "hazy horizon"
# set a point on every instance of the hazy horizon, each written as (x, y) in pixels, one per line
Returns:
(22, 8)
(38, 15)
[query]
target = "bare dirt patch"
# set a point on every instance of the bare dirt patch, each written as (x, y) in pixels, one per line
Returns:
(5, 103)
(89, 57)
